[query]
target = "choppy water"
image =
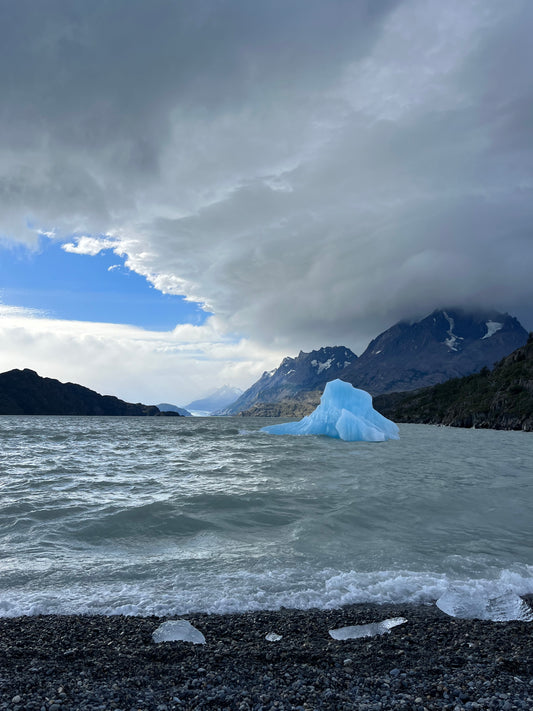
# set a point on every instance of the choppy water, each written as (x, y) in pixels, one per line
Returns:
(167, 516)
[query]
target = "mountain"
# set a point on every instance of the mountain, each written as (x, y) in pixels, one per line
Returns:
(306, 372)
(167, 407)
(23, 392)
(501, 399)
(446, 344)
(218, 400)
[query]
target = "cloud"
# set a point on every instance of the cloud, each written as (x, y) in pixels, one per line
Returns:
(89, 245)
(131, 363)
(310, 171)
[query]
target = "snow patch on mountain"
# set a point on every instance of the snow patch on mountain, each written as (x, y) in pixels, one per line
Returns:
(453, 340)
(322, 366)
(492, 328)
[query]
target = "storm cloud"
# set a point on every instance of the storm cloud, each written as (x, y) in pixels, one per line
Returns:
(311, 171)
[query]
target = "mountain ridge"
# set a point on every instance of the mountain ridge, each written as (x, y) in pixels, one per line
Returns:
(445, 344)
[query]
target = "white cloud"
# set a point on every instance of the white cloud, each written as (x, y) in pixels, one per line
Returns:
(90, 245)
(131, 363)
(14, 312)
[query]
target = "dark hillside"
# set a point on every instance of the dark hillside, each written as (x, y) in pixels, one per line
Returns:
(23, 392)
(499, 399)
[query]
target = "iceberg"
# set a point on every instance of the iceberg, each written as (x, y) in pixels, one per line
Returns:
(344, 413)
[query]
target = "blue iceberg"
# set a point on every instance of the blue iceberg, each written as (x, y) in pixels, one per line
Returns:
(344, 413)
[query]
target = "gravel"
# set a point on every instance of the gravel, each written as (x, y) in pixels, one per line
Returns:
(56, 663)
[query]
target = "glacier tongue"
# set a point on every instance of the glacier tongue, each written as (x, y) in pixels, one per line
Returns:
(344, 413)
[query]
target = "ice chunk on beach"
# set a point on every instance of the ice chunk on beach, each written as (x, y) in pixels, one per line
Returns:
(344, 413)
(273, 637)
(178, 631)
(373, 629)
(502, 608)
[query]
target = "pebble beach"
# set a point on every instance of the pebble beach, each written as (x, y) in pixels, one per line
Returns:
(55, 663)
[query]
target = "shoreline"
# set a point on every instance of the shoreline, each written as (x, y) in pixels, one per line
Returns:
(60, 662)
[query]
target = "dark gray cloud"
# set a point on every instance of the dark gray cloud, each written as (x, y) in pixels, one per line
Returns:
(311, 170)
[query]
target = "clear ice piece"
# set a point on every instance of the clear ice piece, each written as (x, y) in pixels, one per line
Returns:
(392, 622)
(178, 631)
(468, 606)
(373, 629)
(273, 637)
(344, 413)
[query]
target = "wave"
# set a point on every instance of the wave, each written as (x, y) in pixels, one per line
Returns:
(151, 520)
(247, 591)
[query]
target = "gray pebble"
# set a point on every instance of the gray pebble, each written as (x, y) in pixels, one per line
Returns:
(115, 665)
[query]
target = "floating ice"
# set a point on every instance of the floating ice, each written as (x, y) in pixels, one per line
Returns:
(503, 608)
(178, 631)
(373, 629)
(273, 637)
(344, 413)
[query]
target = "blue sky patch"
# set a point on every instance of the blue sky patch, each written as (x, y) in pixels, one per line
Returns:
(88, 288)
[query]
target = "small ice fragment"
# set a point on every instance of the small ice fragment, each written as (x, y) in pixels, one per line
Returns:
(393, 622)
(273, 637)
(373, 629)
(467, 606)
(178, 631)
(344, 413)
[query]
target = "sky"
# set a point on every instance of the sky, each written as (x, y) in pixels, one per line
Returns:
(190, 192)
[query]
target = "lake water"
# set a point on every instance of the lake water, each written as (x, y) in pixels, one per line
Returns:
(175, 515)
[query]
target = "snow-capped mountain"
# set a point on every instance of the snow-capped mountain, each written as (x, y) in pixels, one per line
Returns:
(448, 343)
(308, 371)
(222, 397)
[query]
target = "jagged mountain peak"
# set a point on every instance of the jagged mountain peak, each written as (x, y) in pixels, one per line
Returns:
(447, 343)
(454, 328)
(306, 371)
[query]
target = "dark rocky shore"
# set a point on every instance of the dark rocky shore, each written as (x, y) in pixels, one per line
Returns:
(431, 662)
